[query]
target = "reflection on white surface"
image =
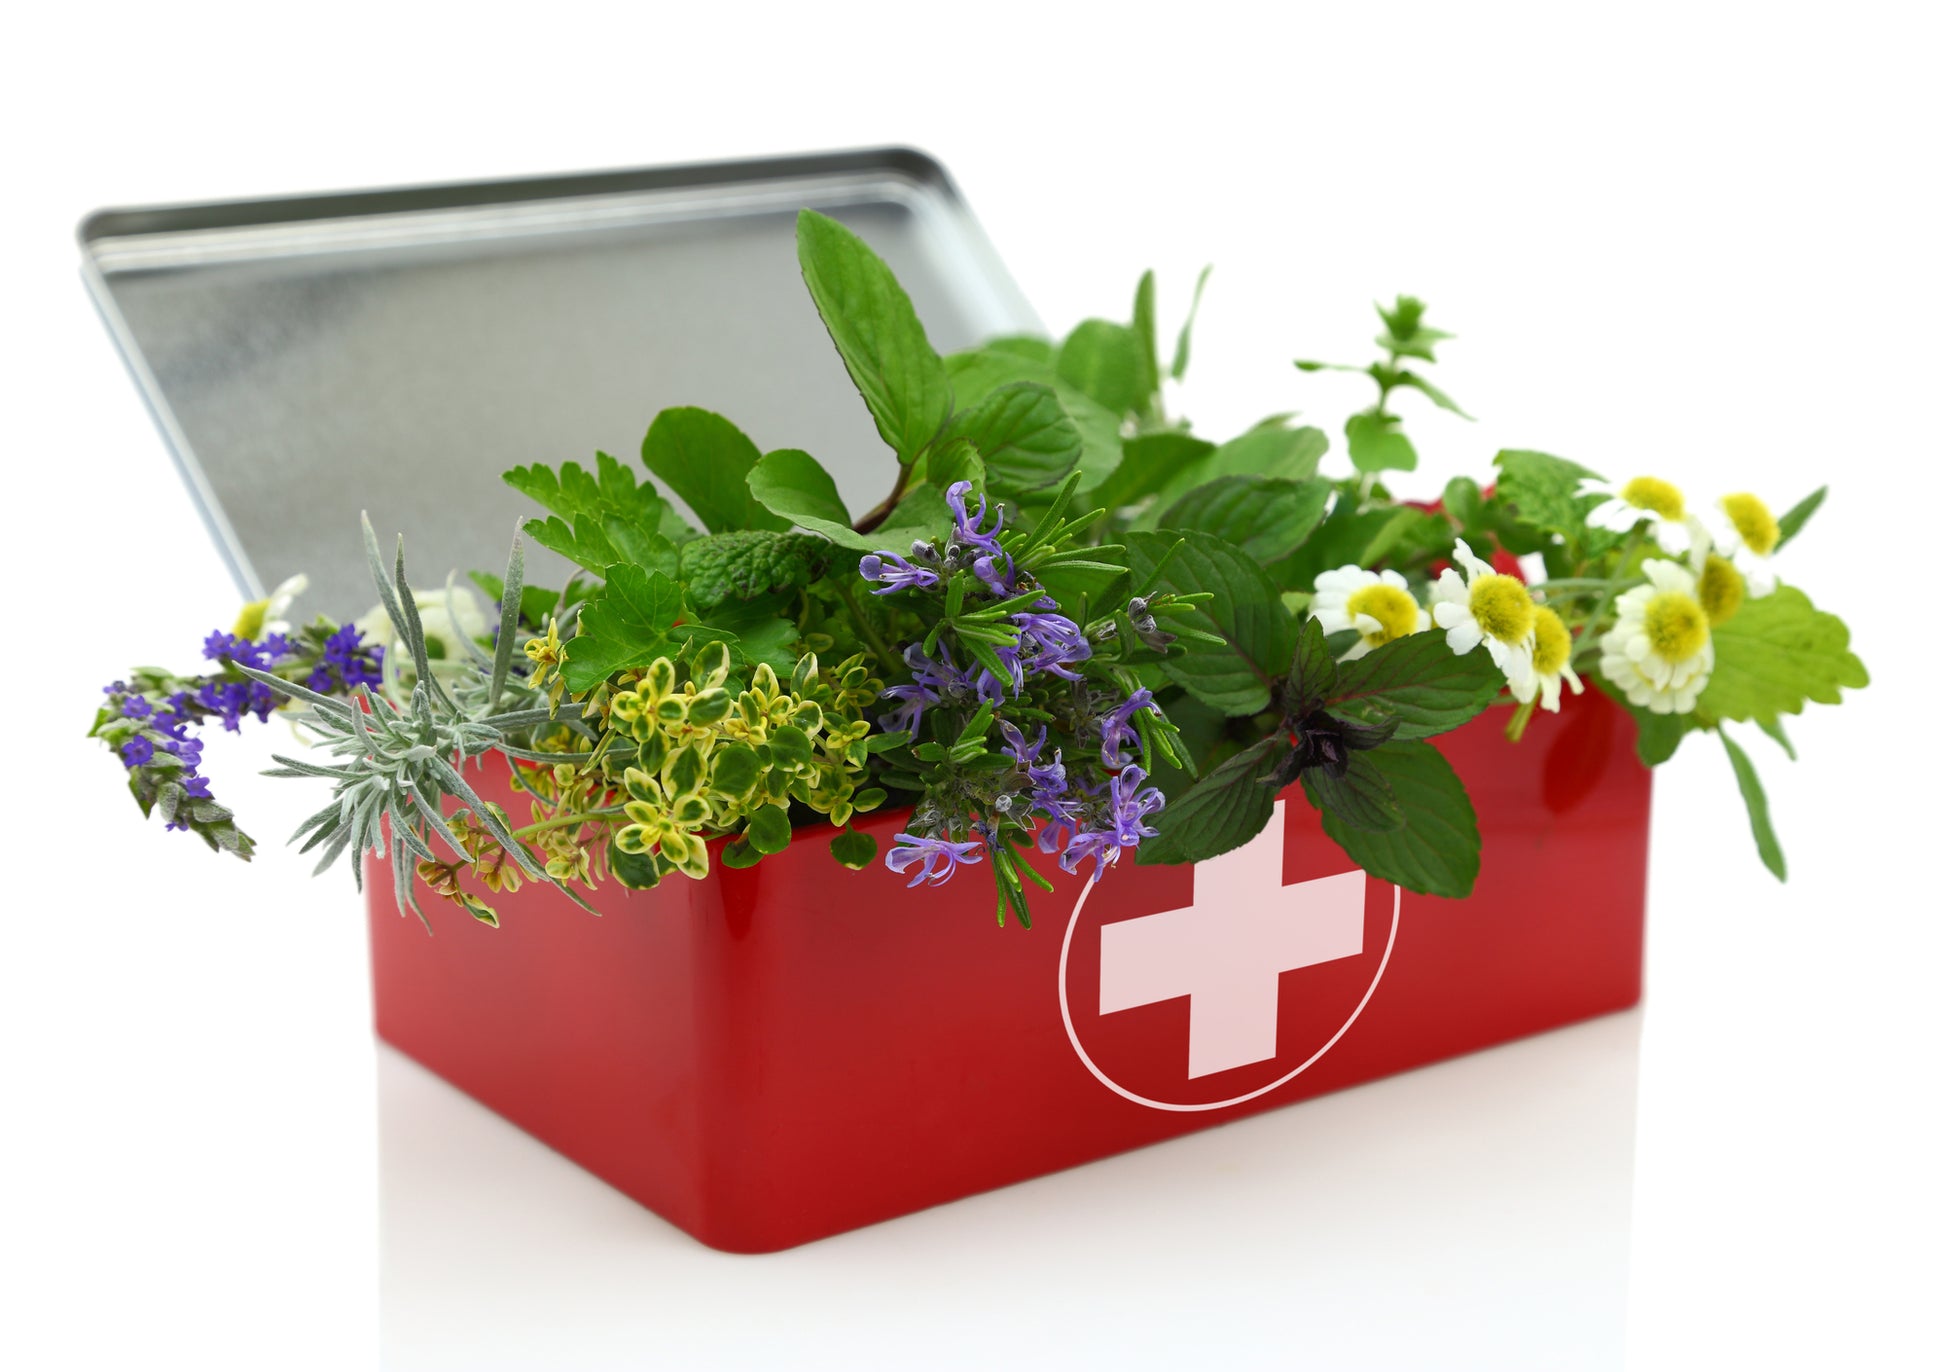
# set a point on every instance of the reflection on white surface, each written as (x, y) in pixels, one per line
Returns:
(1473, 1214)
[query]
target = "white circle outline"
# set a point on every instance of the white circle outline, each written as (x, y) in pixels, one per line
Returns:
(1074, 1039)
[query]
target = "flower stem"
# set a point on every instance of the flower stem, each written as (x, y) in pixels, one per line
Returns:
(887, 659)
(562, 821)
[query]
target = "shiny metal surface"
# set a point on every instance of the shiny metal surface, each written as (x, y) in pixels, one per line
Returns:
(395, 350)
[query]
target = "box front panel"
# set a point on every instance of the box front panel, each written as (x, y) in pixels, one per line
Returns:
(849, 1050)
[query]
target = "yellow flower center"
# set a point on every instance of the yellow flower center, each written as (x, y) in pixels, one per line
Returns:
(1676, 625)
(1501, 607)
(1395, 610)
(1720, 588)
(1551, 642)
(1754, 522)
(1654, 494)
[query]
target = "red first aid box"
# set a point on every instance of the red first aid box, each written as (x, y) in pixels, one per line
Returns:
(772, 1055)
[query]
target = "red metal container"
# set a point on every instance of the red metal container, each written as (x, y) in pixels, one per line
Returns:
(781, 1053)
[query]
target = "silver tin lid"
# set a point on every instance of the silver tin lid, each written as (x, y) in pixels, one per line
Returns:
(395, 350)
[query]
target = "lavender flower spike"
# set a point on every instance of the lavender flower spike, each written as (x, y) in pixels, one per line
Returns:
(938, 858)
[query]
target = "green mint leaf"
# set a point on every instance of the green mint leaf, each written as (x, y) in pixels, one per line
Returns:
(1462, 500)
(1222, 811)
(1755, 801)
(1246, 614)
(795, 487)
(854, 850)
(1377, 445)
(760, 632)
(706, 460)
(1032, 347)
(1181, 363)
(1267, 450)
(1363, 538)
(1267, 517)
(1540, 490)
(1405, 332)
(877, 333)
(1419, 680)
(1360, 799)
(626, 624)
(982, 371)
(1314, 670)
(1430, 391)
(1149, 462)
(1793, 520)
(1775, 654)
(1104, 361)
(1023, 435)
(1436, 852)
(957, 460)
(750, 563)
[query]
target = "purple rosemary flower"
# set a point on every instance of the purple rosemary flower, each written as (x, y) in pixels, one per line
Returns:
(914, 700)
(1051, 643)
(895, 573)
(1129, 803)
(1118, 733)
(966, 527)
(137, 752)
(937, 858)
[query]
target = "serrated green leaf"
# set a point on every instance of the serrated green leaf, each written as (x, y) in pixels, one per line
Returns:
(706, 460)
(1758, 805)
(1793, 520)
(1540, 489)
(750, 563)
(877, 333)
(979, 372)
(1314, 670)
(1376, 444)
(1362, 798)
(1419, 680)
(1265, 516)
(954, 461)
(1436, 852)
(1023, 435)
(1103, 361)
(1224, 810)
(1246, 613)
(758, 632)
(1777, 653)
(626, 624)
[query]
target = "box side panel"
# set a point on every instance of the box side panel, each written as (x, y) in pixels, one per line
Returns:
(887, 1050)
(781, 1053)
(582, 1030)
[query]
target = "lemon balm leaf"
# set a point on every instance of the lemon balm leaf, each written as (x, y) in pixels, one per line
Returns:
(1777, 653)
(1436, 852)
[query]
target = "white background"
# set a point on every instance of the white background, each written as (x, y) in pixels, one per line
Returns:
(1701, 241)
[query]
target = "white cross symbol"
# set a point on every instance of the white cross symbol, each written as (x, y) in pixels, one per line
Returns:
(1226, 949)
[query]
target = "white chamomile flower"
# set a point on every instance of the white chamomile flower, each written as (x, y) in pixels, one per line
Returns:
(1488, 607)
(1648, 498)
(1376, 604)
(267, 616)
(1746, 532)
(445, 616)
(1659, 652)
(1553, 646)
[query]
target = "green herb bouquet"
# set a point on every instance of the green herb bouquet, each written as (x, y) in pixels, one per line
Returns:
(1071, 626)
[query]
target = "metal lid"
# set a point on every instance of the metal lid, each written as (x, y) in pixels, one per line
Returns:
(395, 350)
